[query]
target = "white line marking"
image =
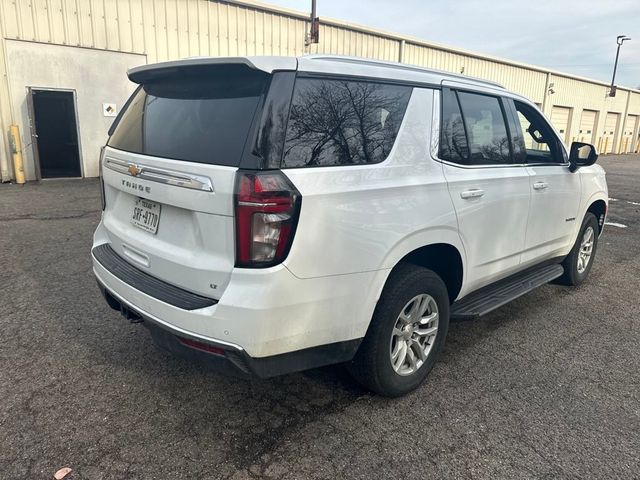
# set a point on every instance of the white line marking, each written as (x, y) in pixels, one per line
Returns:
(613, 224)
(613, 199)
(633, 203)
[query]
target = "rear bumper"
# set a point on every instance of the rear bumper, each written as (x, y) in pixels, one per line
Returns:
(267, 322)
(229, 358)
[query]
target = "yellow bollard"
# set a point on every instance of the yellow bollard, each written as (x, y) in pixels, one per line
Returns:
(626, 143)
(16, 150)
(599, 144)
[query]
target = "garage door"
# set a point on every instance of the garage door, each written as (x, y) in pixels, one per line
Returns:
(587, 126)
(608, 135)
(627, 144)
(560, 120)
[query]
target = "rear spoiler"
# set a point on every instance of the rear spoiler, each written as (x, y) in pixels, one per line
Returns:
(145, 73)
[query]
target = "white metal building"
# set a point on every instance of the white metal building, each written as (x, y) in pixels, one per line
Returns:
(63, 64)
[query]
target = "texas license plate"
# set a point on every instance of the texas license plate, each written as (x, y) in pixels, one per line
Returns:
(146, 215)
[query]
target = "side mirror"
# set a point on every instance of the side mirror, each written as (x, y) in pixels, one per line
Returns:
(582, 155)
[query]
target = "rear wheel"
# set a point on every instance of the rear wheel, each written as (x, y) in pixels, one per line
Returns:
(406, 334)
(578, 263)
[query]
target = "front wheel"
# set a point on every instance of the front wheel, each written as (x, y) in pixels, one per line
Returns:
(406, 334)
(578, 263)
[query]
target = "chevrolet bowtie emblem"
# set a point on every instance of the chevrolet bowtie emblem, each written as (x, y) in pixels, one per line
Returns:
(134, 170)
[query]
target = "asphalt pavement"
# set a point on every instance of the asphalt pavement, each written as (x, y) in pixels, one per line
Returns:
(546, 387)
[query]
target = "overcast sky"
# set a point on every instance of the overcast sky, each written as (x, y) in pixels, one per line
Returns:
(576, 36)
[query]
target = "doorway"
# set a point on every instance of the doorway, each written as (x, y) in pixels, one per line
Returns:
(54, 133)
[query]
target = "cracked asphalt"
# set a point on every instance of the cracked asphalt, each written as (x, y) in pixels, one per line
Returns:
(546, 387)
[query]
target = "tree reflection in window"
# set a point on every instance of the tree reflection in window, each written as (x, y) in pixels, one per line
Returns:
(453, 139)
(337, 122)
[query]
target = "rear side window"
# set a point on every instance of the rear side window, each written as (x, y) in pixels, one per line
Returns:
(453, 138)
(473, 130)
(486, 129)
(202, 116)
(339, 122)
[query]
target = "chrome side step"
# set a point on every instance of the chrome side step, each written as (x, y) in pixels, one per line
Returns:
(494, 296)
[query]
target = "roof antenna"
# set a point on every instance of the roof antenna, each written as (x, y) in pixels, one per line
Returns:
(313, 36)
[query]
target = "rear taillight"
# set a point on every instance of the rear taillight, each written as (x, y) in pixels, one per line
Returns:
(267, 207)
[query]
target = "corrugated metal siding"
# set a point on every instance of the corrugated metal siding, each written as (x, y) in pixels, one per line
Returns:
(526, 82)
(170, 29)
(349, 42)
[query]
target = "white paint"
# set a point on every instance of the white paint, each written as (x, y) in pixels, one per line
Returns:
(633, 203)
(613, 199)
(357, 222)
(614, 224)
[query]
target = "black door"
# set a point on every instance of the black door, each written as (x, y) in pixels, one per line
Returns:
(56, 133)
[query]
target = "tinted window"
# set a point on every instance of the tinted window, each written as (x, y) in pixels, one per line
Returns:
(537, 137)
(202, 117)
(517, 141)
(336, 122)
(453, 139)
(486, 130)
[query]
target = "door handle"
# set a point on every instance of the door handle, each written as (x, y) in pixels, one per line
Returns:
(540, 185)
(473, 193)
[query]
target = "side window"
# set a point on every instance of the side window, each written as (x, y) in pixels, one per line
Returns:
(540, 143)
(486, 129)
(339, 122)
(453, 138)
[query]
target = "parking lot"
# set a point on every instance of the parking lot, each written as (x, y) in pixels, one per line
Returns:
(546, 387)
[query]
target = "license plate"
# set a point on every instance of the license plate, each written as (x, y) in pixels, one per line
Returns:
(146, 215)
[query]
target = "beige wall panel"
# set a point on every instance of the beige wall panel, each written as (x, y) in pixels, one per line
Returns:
(55, 66)
(138, 25)
(193, 12)
(57, 22)
(182, 28)
(72, 30)
(125, 25)
(203, 28)
(25, 20)
(41, 20)
(98, 24)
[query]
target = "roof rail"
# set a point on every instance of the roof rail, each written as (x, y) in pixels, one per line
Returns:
(400, 66)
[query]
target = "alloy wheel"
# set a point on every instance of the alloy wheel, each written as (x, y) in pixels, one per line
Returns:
(586, 249)
(414, 334)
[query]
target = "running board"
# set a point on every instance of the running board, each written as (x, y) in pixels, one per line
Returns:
(494, 296)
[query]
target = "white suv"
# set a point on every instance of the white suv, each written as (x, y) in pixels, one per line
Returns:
(277, 214)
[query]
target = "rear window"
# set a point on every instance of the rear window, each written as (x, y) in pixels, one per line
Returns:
(202, 116)
(339, 122)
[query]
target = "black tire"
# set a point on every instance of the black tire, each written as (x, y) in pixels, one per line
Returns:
(372, 367)
(572, 276)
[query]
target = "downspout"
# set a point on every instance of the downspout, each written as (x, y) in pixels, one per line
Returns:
(546, 93)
